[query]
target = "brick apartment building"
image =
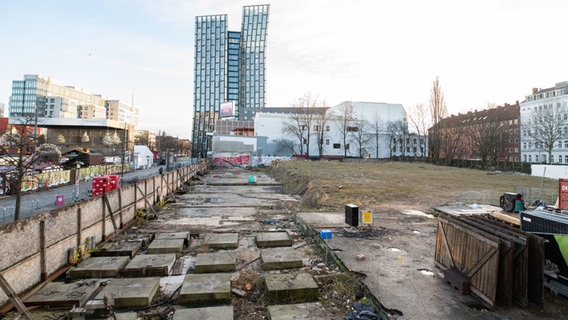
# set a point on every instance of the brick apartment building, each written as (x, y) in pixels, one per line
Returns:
(490, 135)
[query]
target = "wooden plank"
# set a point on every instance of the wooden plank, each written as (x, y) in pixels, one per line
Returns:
(520, 254)
(505, 217)
(14, 298)
(110, 213)
(476, 254)
(448, 251)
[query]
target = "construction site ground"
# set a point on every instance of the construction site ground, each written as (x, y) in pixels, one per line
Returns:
(389, 262)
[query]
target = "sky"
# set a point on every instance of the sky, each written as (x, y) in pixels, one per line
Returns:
(482, 51)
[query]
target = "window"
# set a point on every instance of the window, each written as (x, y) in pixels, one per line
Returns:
(347, 146)
(327, 142)
(326, 128)
(352, 129)
(336, 146)
(316, 128)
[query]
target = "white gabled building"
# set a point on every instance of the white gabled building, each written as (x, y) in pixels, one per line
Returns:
(361, 134)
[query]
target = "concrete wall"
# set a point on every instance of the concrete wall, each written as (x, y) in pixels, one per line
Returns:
(549, 171)
(34, 248)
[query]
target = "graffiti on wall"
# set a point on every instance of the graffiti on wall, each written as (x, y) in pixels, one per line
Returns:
(246, 160)
(97, 171)
(240, 160)
(45, 180)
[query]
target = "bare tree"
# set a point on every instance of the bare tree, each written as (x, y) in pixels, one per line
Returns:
(17, 145)
(397, 132)
(438, 110)
(321, 127)
(546, 128)
(375, 127)
(419, 120)
(301, 121)
(284, 146)
(345, 116)
(361, 136)
(295, 127)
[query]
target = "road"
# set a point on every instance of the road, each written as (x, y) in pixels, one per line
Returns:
(35, 202)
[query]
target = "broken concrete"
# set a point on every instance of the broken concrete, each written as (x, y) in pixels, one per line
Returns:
(98, 267)
(273, 239)
(150, 265)
(131, 292)
(119, 248)
(223, 261)
(210, 313)
(301, 311)
(297, 286)
(166, 246)
(211, 288)
(60, 294)
(221, 240)
(278, 258)
(174, 235)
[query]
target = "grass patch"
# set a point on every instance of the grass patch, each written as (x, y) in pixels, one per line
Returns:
(325, 184)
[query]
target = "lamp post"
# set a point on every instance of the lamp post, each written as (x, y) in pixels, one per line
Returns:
(124, 142)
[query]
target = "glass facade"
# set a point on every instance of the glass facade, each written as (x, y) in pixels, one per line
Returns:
(229, 66)
(27, 95)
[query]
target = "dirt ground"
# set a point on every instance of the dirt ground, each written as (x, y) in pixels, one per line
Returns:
(387, 189)
(418, 186)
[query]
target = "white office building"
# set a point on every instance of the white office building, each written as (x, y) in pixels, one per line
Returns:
(367, 135)
(555, 99)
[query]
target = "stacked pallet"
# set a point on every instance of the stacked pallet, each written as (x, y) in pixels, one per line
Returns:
(496, 262)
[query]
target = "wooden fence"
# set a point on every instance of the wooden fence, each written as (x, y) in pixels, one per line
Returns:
(37, 247)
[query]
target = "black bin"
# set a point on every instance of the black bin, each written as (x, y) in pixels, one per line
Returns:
(352, 215)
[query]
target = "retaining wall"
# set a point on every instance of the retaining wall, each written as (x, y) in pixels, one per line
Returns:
(34, 248)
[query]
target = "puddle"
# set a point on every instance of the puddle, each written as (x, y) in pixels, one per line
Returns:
(394, 249)
(426, 272)
(417, 213)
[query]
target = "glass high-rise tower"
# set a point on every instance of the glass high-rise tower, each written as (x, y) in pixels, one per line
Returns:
(229, 67)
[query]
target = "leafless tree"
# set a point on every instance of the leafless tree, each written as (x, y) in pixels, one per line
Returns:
(285, 146)
(295, 127)
(345, 116)
(546, 127)
(321, 127)
(438, 110)
(397, 132)
(452, 138)
(375, 127)
(301, 122)
(17, 146)
(419, 120)
(361, 136)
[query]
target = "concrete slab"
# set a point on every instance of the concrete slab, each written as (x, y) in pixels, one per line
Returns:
(273, 239)
(98, 267)
(300, 311)
(122, 248)
(166, 246)
(174, 235)
(60, 294)
(150, 265)
(278, 258)
(211, 288)
(126, 316)
(221, 240)
(211, 313)
(131, 292)
(300, 286)
(224, 261)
